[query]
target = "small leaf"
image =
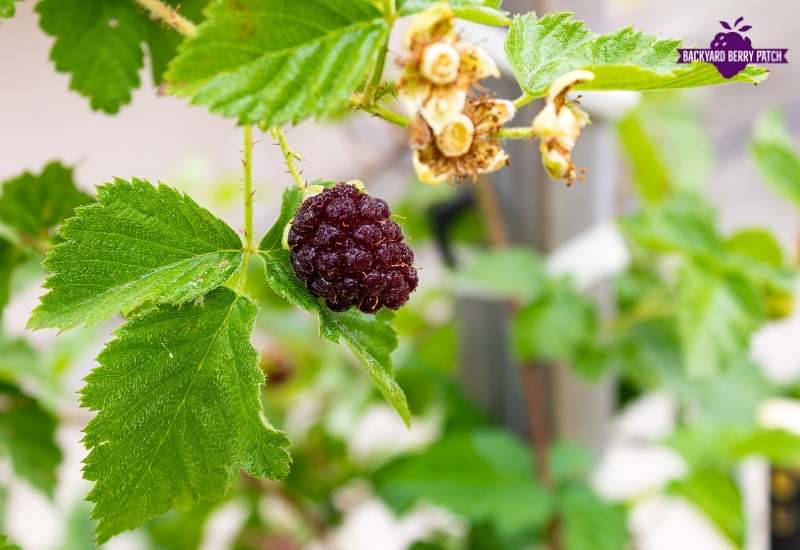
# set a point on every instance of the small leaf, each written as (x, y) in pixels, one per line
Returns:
(554, 327)
(179, 412)
(34, 204)
(485, 475)
(9, 257)
(745, 28)
(725, 25)
(756, 244)
(590, 523)
(292, 197)
(715, 319)
(138, 244)
(509, 273)
(716, 494)
(27, 435)
(371, 337)
(7, 8)
(776, 156)
(541, 50)
(278, 61)
(99, 45)
(486, 12)
(738, 20)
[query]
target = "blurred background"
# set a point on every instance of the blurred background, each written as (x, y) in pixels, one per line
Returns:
(582, 361)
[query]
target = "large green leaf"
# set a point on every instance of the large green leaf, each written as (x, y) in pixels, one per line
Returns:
(666, 146)
(487, 12)
(554, 327)
(27, 435)
(717, 495)
(277, 61)
(371, 337)
(179, 412)
(33, 204)
(485, 475)
(138, 244)
(540, 50)
(163, 40)
(98, 42)
(715, 320)
(590, 523)
(509, 273)
(777, 156)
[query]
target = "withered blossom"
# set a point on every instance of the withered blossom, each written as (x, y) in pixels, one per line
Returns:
(559, 125)
(439, 68)
(465, 145)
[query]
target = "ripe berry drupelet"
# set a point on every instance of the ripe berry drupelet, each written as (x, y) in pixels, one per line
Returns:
(347, 250)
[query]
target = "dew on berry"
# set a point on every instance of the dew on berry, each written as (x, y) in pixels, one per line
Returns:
(349, 253)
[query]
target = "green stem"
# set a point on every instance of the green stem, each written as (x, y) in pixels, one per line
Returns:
(169, 16)
(523, 100)
(524, 132)
(247, 180)
(390, 14)
(386, 114)
(289, 156)
(389, 10)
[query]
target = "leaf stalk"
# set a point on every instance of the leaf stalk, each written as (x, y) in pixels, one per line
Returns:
(289, 156)
(170, 16)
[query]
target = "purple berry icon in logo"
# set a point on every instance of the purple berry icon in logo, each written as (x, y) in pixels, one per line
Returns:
(730, 41)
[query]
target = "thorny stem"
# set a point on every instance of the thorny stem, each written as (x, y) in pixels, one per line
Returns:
(170, 16)
(289, 156)
(386, 114)
(247, 199)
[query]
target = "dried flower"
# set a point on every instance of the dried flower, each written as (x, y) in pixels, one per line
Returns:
(559, 125)
(465, 145)
(440, 67)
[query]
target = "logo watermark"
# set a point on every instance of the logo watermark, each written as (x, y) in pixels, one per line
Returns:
(730, 52)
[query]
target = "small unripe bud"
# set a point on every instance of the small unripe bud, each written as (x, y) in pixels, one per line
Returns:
(455, 139)
(440, 63)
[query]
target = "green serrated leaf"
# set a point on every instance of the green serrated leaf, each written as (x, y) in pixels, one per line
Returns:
(554, 327)
(7, 8)
(34, 204)
(777, 157)
(9, 257)
(371, 337)
(716, 494)
(485, 475)
(179, 412)
(715, 320)
(99, 43)
(27, 435)
(509, 273)
(540, 50)
(590, 523)
(278, 61)
(290, 202)
(163, 40)
(138, 244)
(486, 12)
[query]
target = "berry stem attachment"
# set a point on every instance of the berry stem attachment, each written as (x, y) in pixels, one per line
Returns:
(289, 156)
(386, 114)
(170, 16)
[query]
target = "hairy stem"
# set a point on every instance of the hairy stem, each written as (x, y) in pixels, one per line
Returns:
(289, 156)
(170, 16)
(247, 190)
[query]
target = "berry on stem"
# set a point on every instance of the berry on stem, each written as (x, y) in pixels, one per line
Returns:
(348, 251)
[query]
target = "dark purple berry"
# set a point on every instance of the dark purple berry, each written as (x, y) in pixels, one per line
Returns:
(349, 253)
(368, 234)
(391, 231)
